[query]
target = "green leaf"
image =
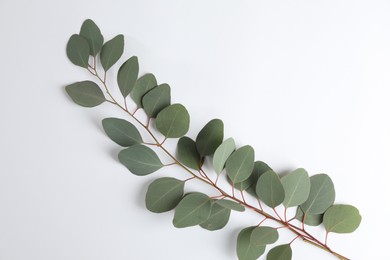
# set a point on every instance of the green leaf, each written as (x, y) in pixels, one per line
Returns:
(262, 236)
(297, 187)
(112, 51)
(156, 100)
(187, 153)
(173, 121)
(321, 196)
(270, 189)
(77, 51)
(85, 93)
(282, 252)
(342, 219)
(222, 154)
(193, 209)
(218, 218)
(259, 168)
(210, 137)
(164, 194)
(141, 87)
(140, 159)
(91, 32)
(230, 205)
(240, 164)
(127, 75)
(121, 131)
(245, 249)
(310, 219)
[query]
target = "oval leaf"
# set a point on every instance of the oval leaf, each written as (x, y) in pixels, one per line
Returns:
(218, 218)
(141, 87)
(262, 236)
(121, 131)
(164, 194)
(245, 249)
(85, 93)
(270, 189)
(297, 187)
(127, 75)
(187, 153)
(230, 205)
(282, 252)
(193, 209)
(111, 51)
(173, 121)
(342, 219)
(259, 168)
(140, 159)
(210, 137)
(156, 100)
(310, 219)
(91, 32)
(321, 196)
(240, 164)
(222, 154)
(77, 51)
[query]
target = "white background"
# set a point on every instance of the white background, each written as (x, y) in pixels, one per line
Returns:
(306, 83)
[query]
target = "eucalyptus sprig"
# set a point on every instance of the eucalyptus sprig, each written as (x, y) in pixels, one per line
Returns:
(313, 197)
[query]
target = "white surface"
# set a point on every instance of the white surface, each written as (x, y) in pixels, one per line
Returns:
(305, 82)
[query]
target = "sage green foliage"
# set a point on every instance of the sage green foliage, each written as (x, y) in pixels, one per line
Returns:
(321, 196)
(281, 252)
(156, 100)
(210, 137)
(188, 154)
(222, 153)
(270, 189)
(258, 169)
(192, 210)
(240, 164)
(77, 50)
(230, 205)
(85, 93)
(121, 131)
(310, 219)
(342, 219)
(111, 52)
(245, 249)
(140, 160)
(296, 186)
(127, 76)
(262, 236)
(91, 32)
(218, 218)
(173, 121)
(142, 86)
(164, 194)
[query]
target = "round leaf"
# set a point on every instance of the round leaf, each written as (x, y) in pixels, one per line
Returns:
(91, 32)
(321, 196)
(222, 154)
(240, 164)
(187, 153)
(262, 236)
(77, 51)
(245, 249)
(173, 121)
(140, 159)
(310, 219)
(85, 93)
(282, 252)
(259, 168)
(218, 218)
(270, 189)
(164, 194)
(342, 219)
(156, 100)
(127, 75)
(111, 51)
(297, 187)
(210, 137)
(192, 210)
(141, 87)
(230, 205)
(121, 131)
